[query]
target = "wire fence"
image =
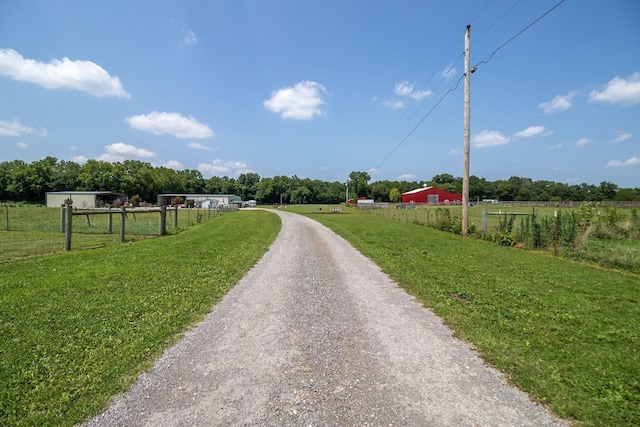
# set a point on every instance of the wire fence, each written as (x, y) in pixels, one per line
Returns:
(33, 230)
(594, 232)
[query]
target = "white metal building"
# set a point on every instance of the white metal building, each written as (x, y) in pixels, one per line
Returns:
(201, 200)
(84, 199)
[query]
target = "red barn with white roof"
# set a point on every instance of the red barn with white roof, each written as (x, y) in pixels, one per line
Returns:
(432, 196)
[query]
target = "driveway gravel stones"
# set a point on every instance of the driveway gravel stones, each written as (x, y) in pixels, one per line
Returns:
(316, 335)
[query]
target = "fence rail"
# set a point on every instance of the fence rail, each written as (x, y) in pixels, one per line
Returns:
(67, 212)
(28, 230)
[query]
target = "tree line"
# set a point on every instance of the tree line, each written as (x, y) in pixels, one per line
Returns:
(21, 181)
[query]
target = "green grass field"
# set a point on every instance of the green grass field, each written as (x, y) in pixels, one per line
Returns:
(28, 230)
(567, 333)
(611, 240)
(79, 327)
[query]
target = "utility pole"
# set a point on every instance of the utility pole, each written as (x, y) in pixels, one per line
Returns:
(347, 198)
(467, 119)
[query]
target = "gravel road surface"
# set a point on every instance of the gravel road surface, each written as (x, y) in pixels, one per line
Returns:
(316, 335)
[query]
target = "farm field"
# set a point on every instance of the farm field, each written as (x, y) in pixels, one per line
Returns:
(564, 331)
(78, 327)
(597, 234)
(28, 230)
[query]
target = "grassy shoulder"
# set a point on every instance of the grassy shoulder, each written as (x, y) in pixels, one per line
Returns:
(79, 327)
(565, 332)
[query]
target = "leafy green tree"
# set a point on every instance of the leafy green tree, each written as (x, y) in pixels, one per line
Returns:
(627, 194)
(359, 184)
(65, 176)
(192, 181)
(607, 191)
(394, 195)
(97, 175)
(300, 195)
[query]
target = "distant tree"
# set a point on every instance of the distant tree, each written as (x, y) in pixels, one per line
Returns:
(247, 185)
(607, 191)
(394, 195)
(300, 195)
(359, 184)
(627, 194)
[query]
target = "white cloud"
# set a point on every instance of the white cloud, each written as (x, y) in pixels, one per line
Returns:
(455, 151)
(79, 159)
(558, 103)
(406, 89)
(630, 162)
(14, 128)
(554, 147)
(489, 138)
(22, 145)
(221, 167)
(300, 102)
(623, 136)
(120, 151)
(172, 123)
(448, 72)
(394, 105)
(619, 91)
(582, 142)
(174, 164)
(407, 177)
(189, 38)
(532, 131)
(198, 146)
(84, 76)
(372, 171)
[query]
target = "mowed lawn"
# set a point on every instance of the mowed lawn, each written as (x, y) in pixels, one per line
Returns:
(78, 328)
(565, 332)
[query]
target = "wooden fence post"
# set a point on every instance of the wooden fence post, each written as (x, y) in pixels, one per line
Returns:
(175, 217)
(555, 233)
(123, 215)
(68, 228)
(484, 222)
(163, 220)
(62, 217)
(110, 222)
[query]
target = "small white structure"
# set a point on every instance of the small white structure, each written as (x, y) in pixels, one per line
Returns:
(207, 204)
(199, 199)
(84, 199)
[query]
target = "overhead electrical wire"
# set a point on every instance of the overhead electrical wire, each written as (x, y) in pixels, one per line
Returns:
(420, 122)
(473, 69)
(490, 57)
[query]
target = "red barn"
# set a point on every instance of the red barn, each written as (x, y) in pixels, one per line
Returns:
(432, 196)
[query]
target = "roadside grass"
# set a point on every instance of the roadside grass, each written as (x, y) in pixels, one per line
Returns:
(565, 332)
(79, 327)
(604, 236)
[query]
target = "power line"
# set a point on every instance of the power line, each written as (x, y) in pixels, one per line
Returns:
(461, 77)
(420, 122)
(490, 57)
(401, 123)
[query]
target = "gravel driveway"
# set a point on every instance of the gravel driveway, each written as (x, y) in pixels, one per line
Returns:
(316, 335)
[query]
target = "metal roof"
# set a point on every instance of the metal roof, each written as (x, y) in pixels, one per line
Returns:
(418, 190)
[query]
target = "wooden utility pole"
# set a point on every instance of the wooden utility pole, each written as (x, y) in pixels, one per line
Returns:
(467, 119)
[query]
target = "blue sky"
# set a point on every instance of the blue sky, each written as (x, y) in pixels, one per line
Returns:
(320, 89)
